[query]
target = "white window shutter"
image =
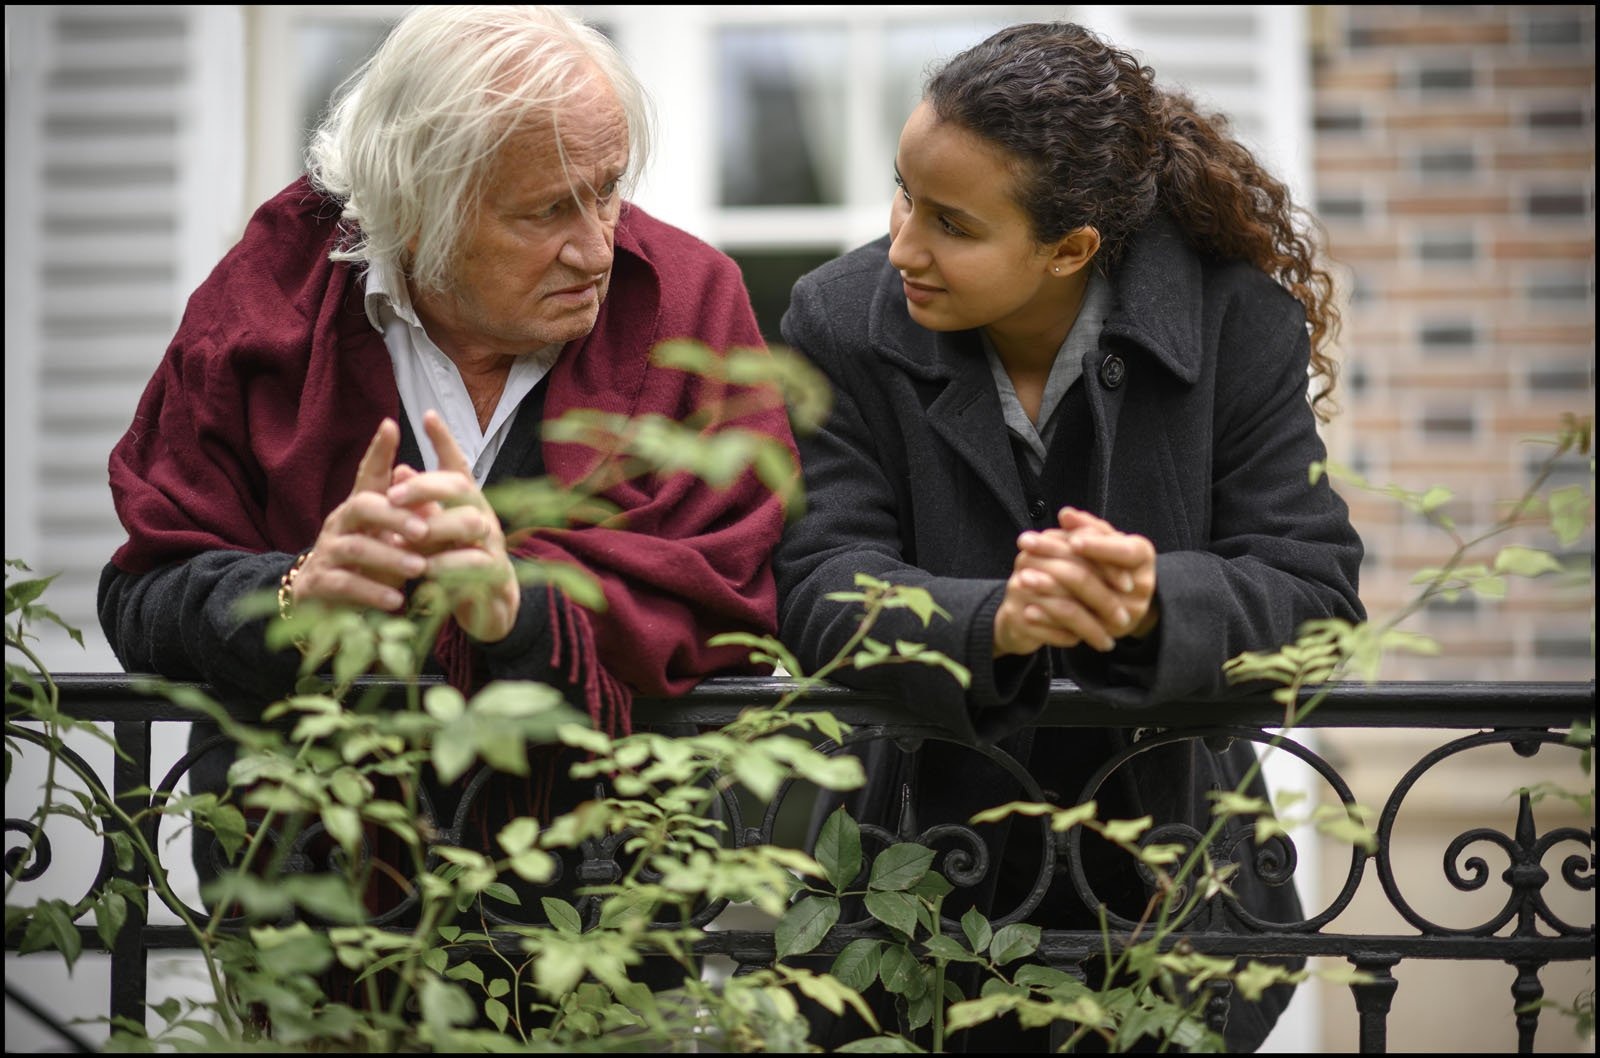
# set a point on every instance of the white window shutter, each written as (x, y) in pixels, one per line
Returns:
(123, 152)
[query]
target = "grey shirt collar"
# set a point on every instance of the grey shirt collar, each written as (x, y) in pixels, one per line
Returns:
(1083, 339)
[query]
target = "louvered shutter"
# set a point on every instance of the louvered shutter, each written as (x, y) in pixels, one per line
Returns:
(118, 199)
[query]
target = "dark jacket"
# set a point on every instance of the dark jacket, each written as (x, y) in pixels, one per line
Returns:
(1189, 426)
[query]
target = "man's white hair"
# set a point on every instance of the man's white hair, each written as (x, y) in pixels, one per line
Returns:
(412, 133)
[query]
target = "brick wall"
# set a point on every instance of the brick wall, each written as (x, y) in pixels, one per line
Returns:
(1455, 177)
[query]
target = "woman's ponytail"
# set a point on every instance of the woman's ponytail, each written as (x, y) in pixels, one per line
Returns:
(1231, 207)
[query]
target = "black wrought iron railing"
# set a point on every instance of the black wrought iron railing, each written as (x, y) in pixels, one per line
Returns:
(1523, 929)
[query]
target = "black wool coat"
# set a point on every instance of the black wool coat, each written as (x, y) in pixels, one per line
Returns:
(1190, 425)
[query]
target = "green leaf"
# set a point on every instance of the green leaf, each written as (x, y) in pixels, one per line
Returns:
(444, 1005)
(1436, 496)
(296, 949)
(558, 969)
(971, 1012)
(932, 887)
(1020, 808)
(857, 965)
(760, 774)
(519, 835)
(900, 866)
(122, 848)
(939, 660)
(1126, 831)
(444, 703)
(327, 896)
(1340, 973)
(763, 649)
(1257, 977)
(465, 971)
(1233, 803)
(1351, 831)
(1569, 513)
(945, 949)
(804, 925)
(976, 927)
(831, 993)
(497, 1013)
(919, 1010)
(870, 650)
(1525, 561)
(109, 914)
(918, 600)
(839, 849)
(350, 787)
(397, 659)
(1490, 587)
(894, 909)
(1059, 983)
(23, 592)
(621, 908)
(562, 915)
(1067, 818)
(51, 927)
(899, 970)
(344, 826)
(534, 865)
(1161, 855)
(454, 749)
(256, 896)
(1014, 942)
(228, 824)
(502, 892)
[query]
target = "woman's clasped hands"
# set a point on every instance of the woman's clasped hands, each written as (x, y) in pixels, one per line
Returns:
(399, 524)
(1084, 582)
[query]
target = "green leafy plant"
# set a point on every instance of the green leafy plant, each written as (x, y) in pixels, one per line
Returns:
(1330, 649)
(1154, 986)
(582, 968)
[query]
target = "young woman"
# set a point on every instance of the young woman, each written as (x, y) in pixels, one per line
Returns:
(1072, 403)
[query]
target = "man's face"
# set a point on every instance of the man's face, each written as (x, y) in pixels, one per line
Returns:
(535, 261)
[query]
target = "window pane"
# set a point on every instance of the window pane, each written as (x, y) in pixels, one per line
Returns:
(329, 52)
(782, 94)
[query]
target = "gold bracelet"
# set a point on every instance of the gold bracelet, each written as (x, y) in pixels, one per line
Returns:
(286, 585)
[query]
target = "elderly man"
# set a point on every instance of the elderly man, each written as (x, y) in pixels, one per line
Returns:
(458, 266)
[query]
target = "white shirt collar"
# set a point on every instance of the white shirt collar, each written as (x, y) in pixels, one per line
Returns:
(427, 378)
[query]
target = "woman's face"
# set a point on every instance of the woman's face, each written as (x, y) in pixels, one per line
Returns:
(961, 243)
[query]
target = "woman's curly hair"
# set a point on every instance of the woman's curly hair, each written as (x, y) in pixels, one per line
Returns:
(1098, 143)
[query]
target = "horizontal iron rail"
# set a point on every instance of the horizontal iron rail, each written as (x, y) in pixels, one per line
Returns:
(1525, 715)
(755, 945)
(1458, 705)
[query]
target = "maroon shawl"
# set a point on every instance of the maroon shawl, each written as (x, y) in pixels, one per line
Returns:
(251, 430)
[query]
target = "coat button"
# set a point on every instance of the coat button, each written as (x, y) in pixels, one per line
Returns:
(1112, 370)
(1039, 509)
